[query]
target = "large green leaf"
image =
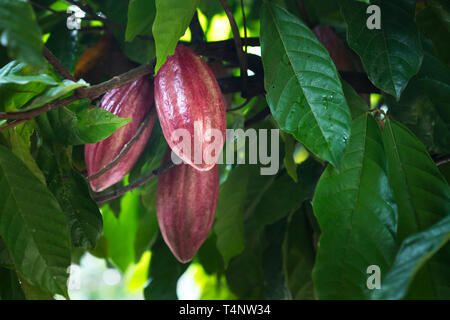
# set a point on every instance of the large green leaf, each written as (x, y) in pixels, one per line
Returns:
(433, 21)
(10, 287)
(56, 92)
(298, 253)
(72, 193)
(33, 226)
(171, 21)
(423, 198)
(164, 273)
(141, 14)
(80, 124)
(20, 32)
(19, 83)
(392, 54)
(357, 215)
(425, 105)
(229, 223)
(120, 232)
(22, 151)
(414, 252)
(303, 88)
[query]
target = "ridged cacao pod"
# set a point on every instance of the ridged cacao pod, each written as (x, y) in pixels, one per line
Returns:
(187, 96)
(186, 201)
(134, 101)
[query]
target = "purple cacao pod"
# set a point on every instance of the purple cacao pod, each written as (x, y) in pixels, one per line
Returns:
(133, 101)
(186, 201)
(189, 102)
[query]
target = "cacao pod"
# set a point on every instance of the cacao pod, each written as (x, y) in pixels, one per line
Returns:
(188, 97)
(134, 101)
(186, 201)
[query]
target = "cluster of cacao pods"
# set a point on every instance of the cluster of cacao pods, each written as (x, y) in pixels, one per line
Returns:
(190, 106)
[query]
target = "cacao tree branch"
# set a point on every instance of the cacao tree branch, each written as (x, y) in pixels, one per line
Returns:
(255, 85)
(124, 150)
(441, 159)
(136, 184)
(197, 34)
(238, 43)
(59, 67)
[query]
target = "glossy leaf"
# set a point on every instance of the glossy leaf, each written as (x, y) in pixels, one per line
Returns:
(228, 225)
(425, 105)
(19, 83)
(72, 192)
(355, 208)
(171, 21)
(20, 32)
(33, 226)
(356, 104)
(56, 92)
(423, 198)
(392, 54)
(80, 124)
(303, 88)
(141, 14)
(414, 252)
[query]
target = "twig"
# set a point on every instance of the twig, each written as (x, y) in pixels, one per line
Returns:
(59, 67)
(12, 124)
(40, 6)
(258, 117)
(197, 34)
(441, 159)
(88, 92)
(136, 184)
(125, 148)
(238, 43)
(241, 106)
(244, 22)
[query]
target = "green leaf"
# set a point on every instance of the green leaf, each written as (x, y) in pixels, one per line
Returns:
(425, 105)
(229, 223)
(298, 253)
(54, 93)
(391, 55)
(433, 21)
(274, 277)
(171, 21)
(22, 151)
(356, 104)
(72, 193)
(303, 88)
(20, 32)
(64, 44)
(19, 83)
(33, 226)
(10, 287)
(423, 198)
(164, 273)
(288, 161)
(5, 258)
(120, 232)
(80, 124)
(141, 14)
(414, 252)
(96, 124)
(357, 215)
